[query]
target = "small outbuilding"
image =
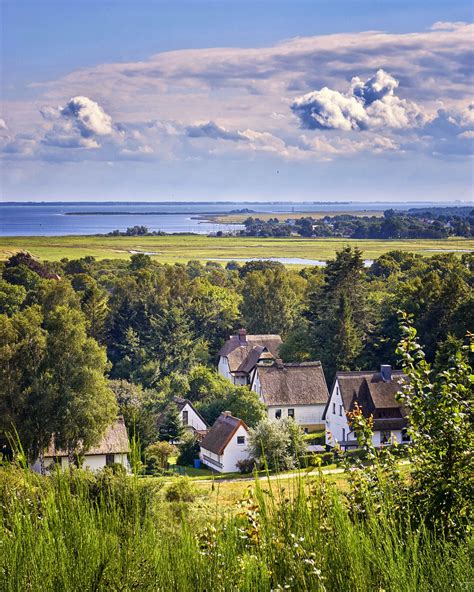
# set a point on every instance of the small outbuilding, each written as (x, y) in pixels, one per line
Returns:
(225, 444)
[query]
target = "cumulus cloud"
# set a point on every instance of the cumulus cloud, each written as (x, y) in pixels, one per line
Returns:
(367, 105)
(3, 125)
(79, 124)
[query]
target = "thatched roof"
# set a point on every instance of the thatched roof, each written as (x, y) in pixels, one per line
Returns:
(374, 394)
(243, 351)
(221, 433)
(114, 441)
(293, 384)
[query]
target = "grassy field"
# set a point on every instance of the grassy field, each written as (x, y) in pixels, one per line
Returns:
(180, 249)
(74, 531)
(239, 218)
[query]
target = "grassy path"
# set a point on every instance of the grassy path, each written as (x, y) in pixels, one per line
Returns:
(180, 249)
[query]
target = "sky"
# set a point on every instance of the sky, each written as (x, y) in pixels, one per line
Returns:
(302, 100)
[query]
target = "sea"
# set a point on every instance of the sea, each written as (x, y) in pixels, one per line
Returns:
(89, 218)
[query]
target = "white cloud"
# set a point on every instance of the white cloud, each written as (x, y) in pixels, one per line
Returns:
(367, 105)
(79, 124)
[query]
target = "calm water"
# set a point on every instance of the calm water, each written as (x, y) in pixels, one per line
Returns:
(49, 220)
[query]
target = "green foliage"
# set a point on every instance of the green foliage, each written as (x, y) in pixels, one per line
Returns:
(271, 301)
(76, 531)
(181, 490)
(188, 449)
(11, 297)
(440, 406)
(157, 455)
(171, 426)
(276, 444)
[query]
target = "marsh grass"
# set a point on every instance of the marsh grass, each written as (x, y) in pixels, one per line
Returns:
(75, 532)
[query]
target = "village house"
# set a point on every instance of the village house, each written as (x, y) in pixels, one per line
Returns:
(191, 418)
(225, 444)
(241, 353)
(375, 393)
(296, 390)
(113, 448)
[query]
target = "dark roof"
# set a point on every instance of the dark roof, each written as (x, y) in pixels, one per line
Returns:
(372, 393)
(114, 441)
(293, 384)
(237, 350)
(221, 433)
(181, 404)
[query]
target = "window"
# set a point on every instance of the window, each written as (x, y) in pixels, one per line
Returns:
(185, 418)
(385, 436)
(405, 435)
(334, 408)
(343, 434)
(291, 413)
(240, 439)
(109, 459)
(340, 410)
(278, 414)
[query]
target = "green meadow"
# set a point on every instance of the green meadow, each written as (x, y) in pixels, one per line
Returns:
(182, 248)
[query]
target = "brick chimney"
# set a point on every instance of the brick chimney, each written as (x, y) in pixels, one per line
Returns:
(226, 413)
(386, 372)
(279, 363)
(242, 334)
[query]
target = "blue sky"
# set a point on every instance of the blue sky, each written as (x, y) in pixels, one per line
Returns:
(238, 100)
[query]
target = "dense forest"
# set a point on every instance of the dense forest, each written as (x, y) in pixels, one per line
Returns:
(414, 224)
(81, 337)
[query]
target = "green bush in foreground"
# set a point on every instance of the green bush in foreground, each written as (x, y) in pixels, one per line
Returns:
(72, 532)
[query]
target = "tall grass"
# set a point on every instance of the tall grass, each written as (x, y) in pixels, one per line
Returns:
(74, 532)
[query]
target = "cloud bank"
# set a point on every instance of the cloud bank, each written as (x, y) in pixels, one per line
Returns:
(367, 105)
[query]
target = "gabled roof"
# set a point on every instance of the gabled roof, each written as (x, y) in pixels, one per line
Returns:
(181, 404)
(221, 433)
(293, 384)
(114, 441)
(240, 350)
(370, 391)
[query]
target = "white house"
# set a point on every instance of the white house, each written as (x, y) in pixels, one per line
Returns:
(225, 444)
(375, 393)
(292, 390)
(190, 417)
(241, 353)
(113, 448)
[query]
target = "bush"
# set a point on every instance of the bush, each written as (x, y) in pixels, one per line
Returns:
(182, 490)
(246, 465)
(327, 458)
(188, 449)
(316, 438)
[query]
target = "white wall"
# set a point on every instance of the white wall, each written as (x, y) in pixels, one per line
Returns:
(304, 415)
(335, 424)
(94, 462)
(194, 420)
(233, 452)
(223, 368)
(337, 428)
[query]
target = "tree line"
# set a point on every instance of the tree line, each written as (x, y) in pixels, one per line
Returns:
(392, 225)
(83, 339)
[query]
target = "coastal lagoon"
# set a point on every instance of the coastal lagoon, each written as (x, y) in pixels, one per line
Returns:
(86, 218)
